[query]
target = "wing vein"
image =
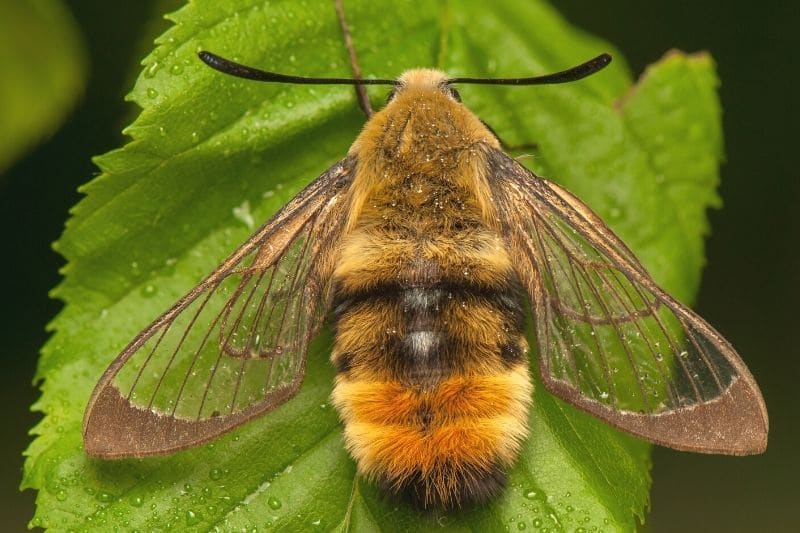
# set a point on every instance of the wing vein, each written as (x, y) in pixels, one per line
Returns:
(578, 293)
(546, 266)
(178, 347)
(642, 334)
(195, 357)
(670, 341)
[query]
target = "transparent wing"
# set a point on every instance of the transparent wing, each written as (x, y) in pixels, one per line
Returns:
(610, 340)
(235, 346)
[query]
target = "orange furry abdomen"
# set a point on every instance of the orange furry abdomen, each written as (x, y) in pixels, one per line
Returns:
(445, 447)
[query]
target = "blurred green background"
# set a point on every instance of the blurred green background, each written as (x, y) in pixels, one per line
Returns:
(749, 285)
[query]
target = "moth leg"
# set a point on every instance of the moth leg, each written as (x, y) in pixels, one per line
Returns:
(510, 147)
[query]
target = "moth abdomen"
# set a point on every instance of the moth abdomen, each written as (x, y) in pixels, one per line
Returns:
(445, 442)
(432, 370)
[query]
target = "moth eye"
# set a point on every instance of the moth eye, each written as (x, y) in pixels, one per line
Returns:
(454, 93)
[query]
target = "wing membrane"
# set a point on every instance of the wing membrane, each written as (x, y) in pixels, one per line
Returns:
(610, 340)
(233, 347)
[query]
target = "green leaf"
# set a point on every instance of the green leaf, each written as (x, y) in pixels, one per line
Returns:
(674, 115)
(44, 69)
(210, 153)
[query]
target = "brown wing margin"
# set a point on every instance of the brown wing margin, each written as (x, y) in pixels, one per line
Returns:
(610, 341)
(180, 382)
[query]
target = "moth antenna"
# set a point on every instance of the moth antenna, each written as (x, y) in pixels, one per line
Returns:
(233, 68)
(565, 76)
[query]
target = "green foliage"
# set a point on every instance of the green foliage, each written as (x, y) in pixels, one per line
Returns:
(210, 153)
(43, 70)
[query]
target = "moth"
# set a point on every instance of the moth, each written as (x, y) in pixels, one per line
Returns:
(426, 247)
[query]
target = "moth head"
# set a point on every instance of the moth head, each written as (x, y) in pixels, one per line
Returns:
(424, 80)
